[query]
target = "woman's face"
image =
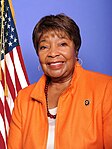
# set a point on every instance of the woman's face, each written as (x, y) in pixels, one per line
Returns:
(57, 55)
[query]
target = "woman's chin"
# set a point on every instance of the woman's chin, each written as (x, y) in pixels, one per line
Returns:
(56, 74)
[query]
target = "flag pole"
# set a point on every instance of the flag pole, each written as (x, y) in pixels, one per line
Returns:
(3, 49)
(6, 86)
(12, 10)
(1, 35)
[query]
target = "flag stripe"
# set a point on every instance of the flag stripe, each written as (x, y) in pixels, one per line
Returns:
(13, 71)
(9, 79)
(17, 84)
(2, 143)
(19, 69)
(11, 89)
(7, 110)
(1, 110)
(22, 62)
(10, 84)
(2, 125)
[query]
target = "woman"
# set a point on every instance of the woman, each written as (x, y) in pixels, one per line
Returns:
(69, 107)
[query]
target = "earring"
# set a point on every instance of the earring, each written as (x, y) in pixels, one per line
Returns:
(79, 60)
(38, 67)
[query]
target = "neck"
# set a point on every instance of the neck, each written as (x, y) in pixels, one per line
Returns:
(60, 84)
(57, 87)
(61, 80)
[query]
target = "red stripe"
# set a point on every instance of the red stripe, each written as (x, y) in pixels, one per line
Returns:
(3, 117)
(2, 143)
(22, 63)
(2, 81)
(11, 91)
(13, 88)
(10, 83)
(7, 110)
(17, 83)
(2, 103)
(2, 109)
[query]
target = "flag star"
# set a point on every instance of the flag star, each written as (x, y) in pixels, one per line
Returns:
(11, 36)
(12, 29)
(15, 39)
(5, 15)
(6, 33)
(5, 40)
(8, 26)
(10, 44)
(7, 8)
(9, 19)
(5, 22)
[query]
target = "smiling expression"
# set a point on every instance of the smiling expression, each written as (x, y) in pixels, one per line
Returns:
(57, 55)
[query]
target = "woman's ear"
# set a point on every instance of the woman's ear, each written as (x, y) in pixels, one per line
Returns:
(76, 53)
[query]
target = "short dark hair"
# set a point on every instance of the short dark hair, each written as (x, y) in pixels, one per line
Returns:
(59, 22)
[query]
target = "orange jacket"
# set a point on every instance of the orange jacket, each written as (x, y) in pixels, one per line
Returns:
(84, 115)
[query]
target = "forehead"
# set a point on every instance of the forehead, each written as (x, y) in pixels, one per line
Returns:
(53, 33)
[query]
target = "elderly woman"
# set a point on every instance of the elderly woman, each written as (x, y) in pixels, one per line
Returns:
(69, 107)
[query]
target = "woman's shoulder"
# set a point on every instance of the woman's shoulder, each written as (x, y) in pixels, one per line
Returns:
(28, 88)
(96, 76)
(32, 87)
(95, 80)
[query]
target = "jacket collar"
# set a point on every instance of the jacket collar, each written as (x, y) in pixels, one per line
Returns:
(38, 90)
(77, 73)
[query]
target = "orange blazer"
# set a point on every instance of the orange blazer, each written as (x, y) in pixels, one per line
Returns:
(84, 115)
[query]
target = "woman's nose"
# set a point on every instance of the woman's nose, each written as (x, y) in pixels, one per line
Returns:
(53, 52)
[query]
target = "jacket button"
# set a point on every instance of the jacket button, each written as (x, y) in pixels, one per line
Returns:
(86, 102)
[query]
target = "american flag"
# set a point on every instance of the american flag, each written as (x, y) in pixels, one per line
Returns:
(13, 76)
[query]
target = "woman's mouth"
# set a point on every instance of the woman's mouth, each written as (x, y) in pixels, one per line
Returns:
(55, 65)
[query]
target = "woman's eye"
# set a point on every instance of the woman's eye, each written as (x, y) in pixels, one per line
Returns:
(43, 47)
(63, 44)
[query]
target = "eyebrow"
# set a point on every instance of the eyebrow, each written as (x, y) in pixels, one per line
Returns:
(59, 36)
(43, 40)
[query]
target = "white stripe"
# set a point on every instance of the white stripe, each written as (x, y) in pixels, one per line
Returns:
(19, 70)
(9, 98)
(6, 123)
(11, 71)
(10, 67)
(10, 104)
(10, 101)
(1, 93)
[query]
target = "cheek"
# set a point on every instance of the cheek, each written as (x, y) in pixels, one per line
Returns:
(71, 57)
(70, 54)
(41, 58)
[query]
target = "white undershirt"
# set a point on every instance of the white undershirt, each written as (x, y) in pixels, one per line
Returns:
(51, 131)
